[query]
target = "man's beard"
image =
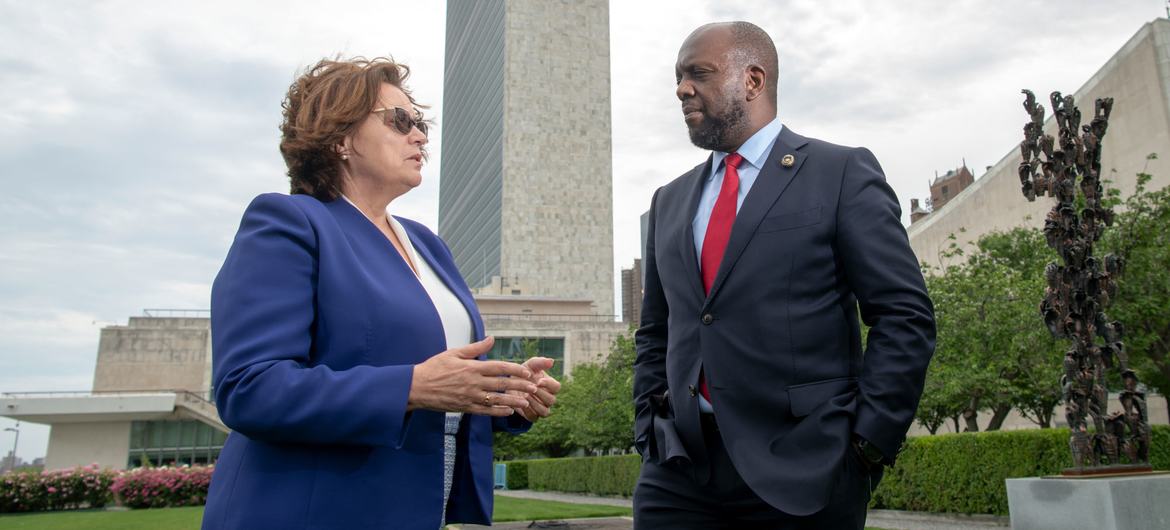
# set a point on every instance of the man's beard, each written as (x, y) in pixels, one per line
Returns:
(713, 132)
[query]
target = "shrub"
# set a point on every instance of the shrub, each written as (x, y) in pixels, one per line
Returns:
(160, 487)
(599, 475)
(965, 473)
(957, 473)
(31, 491)
(517, 474)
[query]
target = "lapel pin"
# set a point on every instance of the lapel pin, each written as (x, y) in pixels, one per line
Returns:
(788, 161)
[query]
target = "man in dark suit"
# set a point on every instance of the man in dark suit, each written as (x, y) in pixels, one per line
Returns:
(756, 403)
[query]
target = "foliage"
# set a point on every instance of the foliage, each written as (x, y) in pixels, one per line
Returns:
(1141, 235)
(163, 487)
(598, 409)
(965, 473)
(994, 352)
(517, 474)
(81, 487)
(955, 473)
(593, 412)
(598, 475)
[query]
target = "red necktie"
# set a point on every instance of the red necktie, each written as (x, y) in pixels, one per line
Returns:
(718, 232)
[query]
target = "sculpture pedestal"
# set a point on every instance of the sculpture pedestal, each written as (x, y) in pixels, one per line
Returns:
(1104, 503)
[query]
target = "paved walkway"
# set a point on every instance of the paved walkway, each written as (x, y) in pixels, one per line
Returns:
(886, 519)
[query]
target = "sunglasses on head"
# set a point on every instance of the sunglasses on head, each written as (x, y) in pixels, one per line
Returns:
(402, 120)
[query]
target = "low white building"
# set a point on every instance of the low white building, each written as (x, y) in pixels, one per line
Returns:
(150, 399)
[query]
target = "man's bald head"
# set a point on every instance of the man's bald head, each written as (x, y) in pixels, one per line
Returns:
(726, 81)
(749, 45)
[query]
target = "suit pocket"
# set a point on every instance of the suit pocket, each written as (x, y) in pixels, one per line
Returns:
(788, 221)
(806, 397)
(667, 443)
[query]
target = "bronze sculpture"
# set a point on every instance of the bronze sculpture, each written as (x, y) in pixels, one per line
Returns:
(1082, 287)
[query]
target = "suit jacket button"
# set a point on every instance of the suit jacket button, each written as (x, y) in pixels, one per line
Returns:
(708, 319)
(691, 389)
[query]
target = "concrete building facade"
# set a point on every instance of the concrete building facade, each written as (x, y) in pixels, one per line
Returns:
(1137, 77)
(526, 195)
(526, 191)
(565, 330)
(632, 293)
(150, 400)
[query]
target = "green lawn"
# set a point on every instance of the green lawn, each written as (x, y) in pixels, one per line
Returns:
(160, 519)
(507, 509)
(513, 509)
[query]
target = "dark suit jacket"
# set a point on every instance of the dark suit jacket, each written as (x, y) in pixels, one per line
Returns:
(317, 324)
(778, 335)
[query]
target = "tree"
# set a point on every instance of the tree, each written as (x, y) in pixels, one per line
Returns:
(1141, 236)
(993, 351)
(593, 413)
(599, 407)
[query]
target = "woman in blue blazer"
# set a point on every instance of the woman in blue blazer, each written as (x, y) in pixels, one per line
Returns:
(343, 353)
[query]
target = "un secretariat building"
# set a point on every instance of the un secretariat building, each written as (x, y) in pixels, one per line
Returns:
(526, 194)
(526, 198)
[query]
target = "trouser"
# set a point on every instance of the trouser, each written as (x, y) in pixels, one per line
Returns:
(668, 497)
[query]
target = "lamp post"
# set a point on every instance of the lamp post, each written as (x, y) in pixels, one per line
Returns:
(15, 440)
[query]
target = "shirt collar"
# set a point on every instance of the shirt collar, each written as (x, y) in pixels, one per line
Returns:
(755, 150)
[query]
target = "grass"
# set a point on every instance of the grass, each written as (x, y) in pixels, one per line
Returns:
(161, 519)
(507, 509)
(513, 509)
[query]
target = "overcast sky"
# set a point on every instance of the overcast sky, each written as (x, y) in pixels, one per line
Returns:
(133, 134)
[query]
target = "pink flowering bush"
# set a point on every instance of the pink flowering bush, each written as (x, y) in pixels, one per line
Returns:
(158, 487)
(80, 487)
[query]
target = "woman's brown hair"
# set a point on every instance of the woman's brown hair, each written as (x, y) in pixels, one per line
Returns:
(326, 103)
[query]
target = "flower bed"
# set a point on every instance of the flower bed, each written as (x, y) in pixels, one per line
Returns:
(163, 487)
(63, 489)
(91, 487)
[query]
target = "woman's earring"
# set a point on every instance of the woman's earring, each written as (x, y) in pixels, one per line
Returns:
(344, 156)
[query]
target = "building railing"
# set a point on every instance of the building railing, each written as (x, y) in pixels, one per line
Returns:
(201, 396)
(176, 313)
(542, 317)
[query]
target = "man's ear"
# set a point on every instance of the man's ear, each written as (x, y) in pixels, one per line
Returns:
(755, 82)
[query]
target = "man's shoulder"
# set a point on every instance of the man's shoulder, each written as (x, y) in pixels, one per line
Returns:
(817, 145)
(680, 183)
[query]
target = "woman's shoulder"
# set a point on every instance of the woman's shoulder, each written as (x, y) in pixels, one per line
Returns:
(284, 201)
(279, 206)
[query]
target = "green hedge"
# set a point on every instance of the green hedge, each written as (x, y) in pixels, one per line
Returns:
(964, 473)
(517, 474)
(957, 473)
(599, 475)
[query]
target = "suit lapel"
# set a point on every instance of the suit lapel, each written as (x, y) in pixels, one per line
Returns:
(459, 289)
(690, 260)
(773, 179)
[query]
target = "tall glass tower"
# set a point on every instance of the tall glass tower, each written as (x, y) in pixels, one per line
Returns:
(526, 192)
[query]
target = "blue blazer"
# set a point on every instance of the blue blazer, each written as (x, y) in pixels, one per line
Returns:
(317, 323)
(816, 243)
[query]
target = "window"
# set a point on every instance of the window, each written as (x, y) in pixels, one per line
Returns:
(517, 349)
(173, 443)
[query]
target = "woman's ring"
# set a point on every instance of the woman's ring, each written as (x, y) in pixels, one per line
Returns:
(487, 399)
